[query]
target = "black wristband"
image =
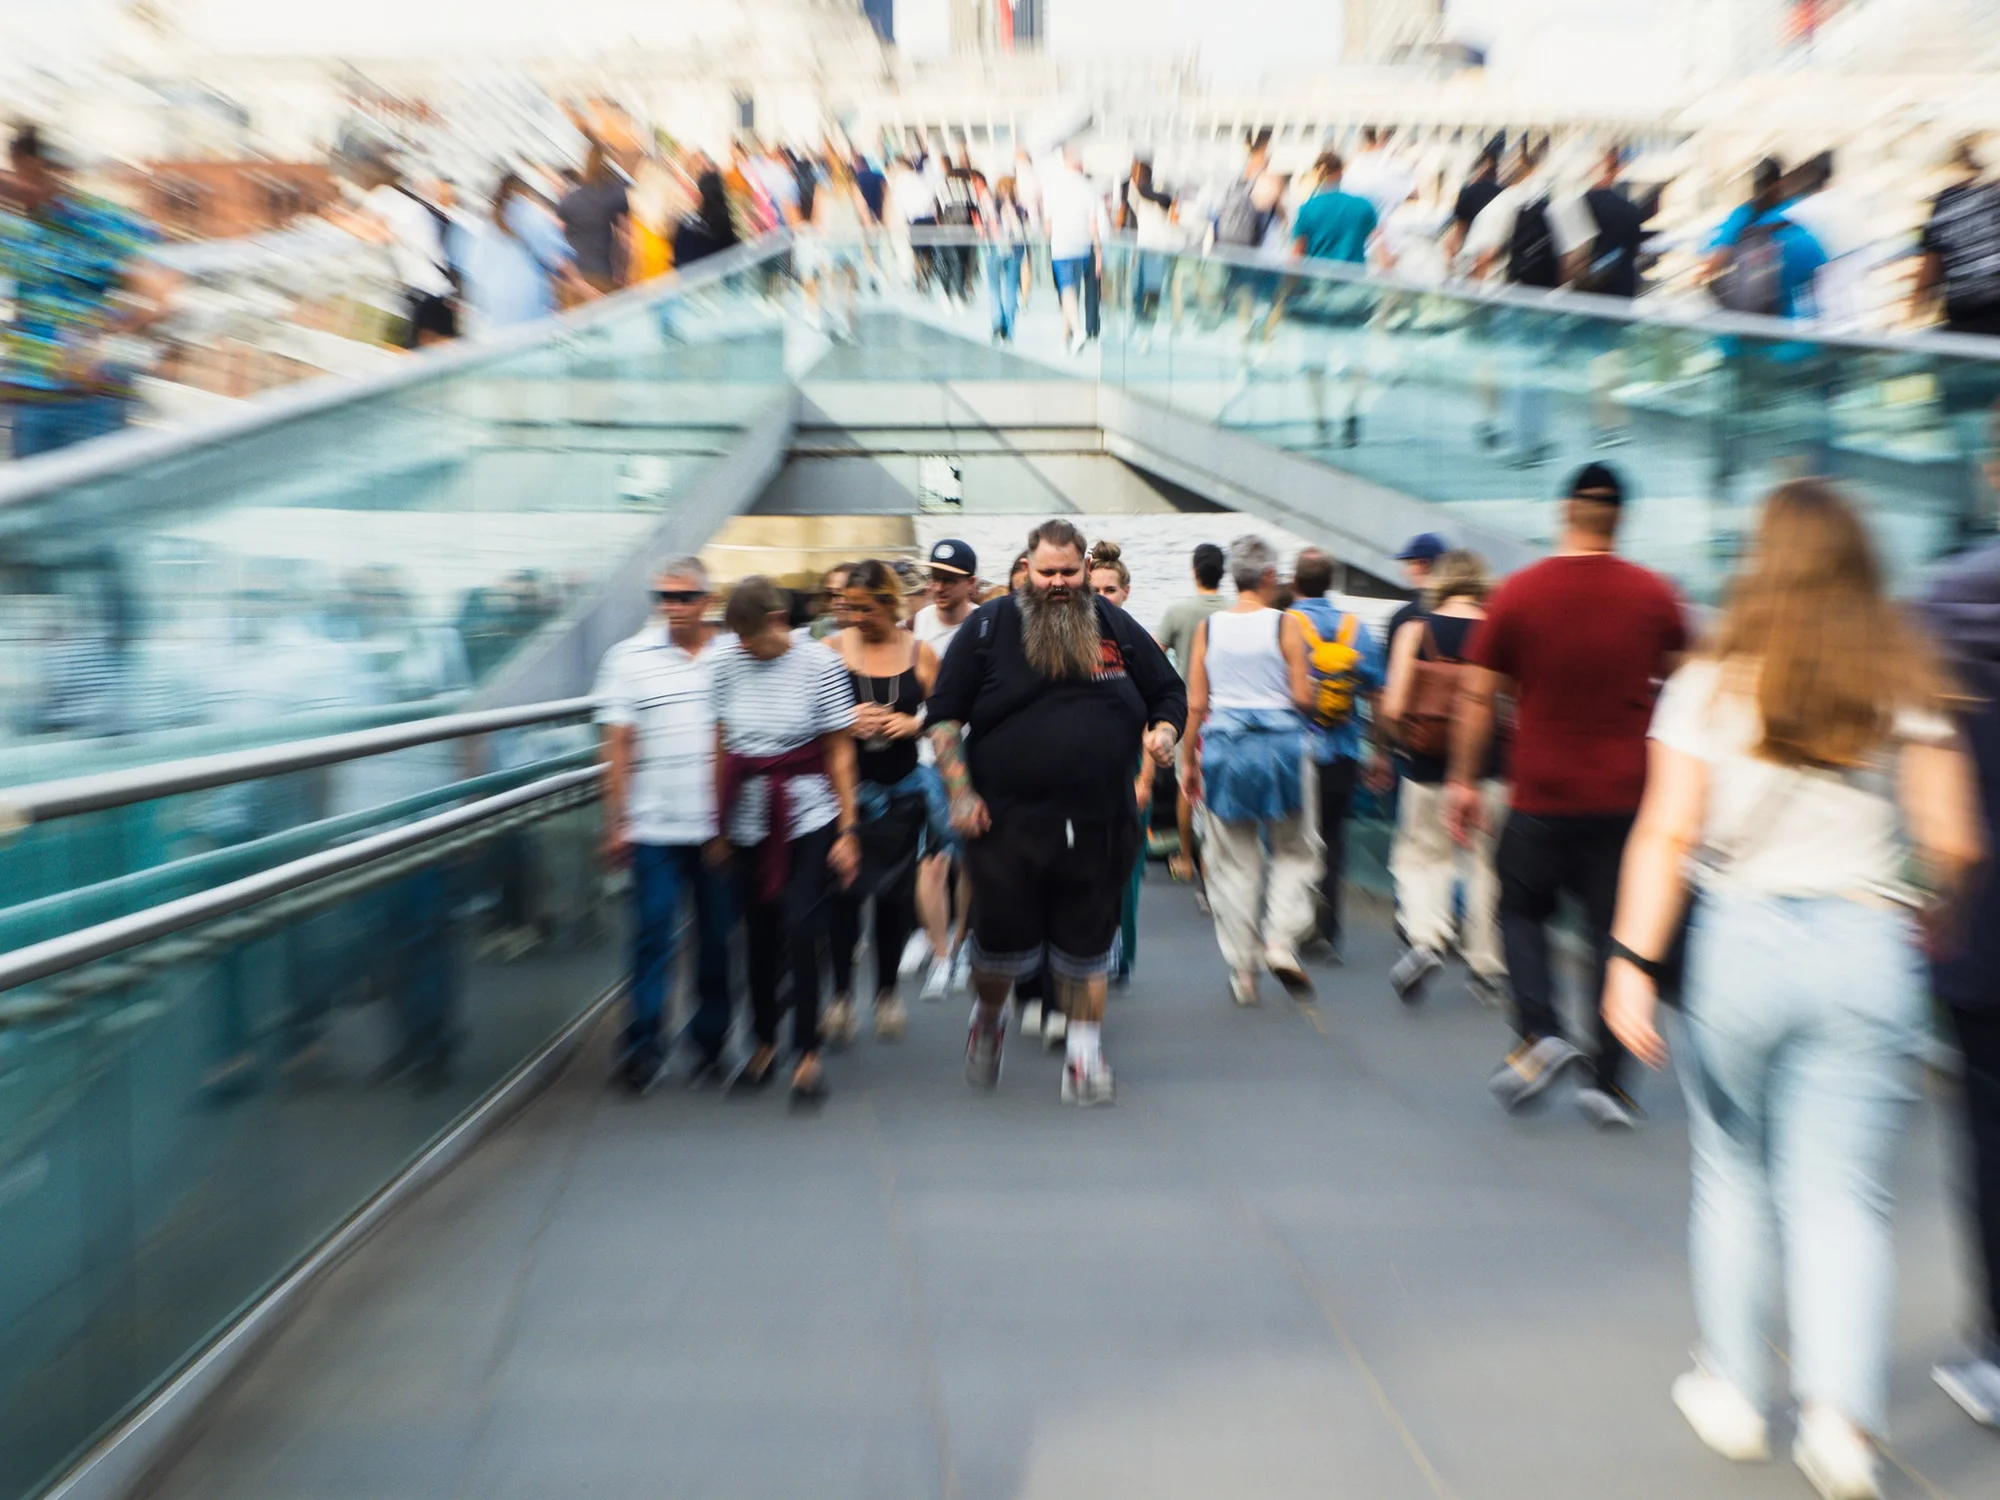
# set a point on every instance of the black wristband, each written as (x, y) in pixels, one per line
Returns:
(1650, 967)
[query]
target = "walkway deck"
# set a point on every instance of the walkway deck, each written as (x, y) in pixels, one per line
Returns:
(1305, 1255)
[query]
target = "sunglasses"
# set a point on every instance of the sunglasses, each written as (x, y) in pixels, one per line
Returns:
(940, 576)
(679, 596)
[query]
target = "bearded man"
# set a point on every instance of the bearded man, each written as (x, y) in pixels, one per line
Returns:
(1042, 709)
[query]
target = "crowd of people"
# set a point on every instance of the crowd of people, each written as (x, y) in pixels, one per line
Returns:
(1776, 826)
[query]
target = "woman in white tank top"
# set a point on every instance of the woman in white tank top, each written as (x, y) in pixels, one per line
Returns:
(1248, 682)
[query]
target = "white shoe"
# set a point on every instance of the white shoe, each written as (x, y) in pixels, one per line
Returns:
(1835, 1458)
(1031, 1018)
(915, 951)
(961, 971)
(1086, 1083)
(1722, 1417)
(1076, 345)
(937, 981)
(1243, 989)
(1975, 1386)
(837, 1026)
(1055, 1028)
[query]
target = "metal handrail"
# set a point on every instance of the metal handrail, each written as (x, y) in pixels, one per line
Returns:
(89, 944)
(138, 447)
(43, 802)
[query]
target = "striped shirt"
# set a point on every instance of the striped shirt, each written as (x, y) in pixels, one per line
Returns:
(651, 684)
(770, 707)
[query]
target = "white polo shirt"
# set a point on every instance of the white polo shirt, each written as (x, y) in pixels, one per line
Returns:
(648, 682)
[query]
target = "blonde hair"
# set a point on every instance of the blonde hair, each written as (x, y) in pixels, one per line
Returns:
(1457, 574)
(880, 583)
(1834, 656)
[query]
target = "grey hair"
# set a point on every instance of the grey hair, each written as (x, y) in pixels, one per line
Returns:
(683, 567)
(1250, 558)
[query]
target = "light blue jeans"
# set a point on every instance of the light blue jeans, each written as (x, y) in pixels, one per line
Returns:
(1799, 1053)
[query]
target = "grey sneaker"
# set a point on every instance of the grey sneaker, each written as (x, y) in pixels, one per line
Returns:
(1412, 972)
(1609, 1108)
(982, 1054)
(1529, 1069)
(1975, 1386)
(1488, 991)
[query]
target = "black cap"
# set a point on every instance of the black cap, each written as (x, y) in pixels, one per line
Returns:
(1598, 482)
(954, 556)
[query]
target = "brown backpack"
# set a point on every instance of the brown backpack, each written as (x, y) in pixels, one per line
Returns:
(1425, 727)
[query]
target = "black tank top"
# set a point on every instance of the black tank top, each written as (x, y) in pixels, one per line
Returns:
(886, 762)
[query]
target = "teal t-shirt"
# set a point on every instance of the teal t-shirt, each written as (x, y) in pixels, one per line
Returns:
(1335, 226)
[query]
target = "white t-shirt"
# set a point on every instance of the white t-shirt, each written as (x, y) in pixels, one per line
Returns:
(911, 196)
(1071, 208)
(770, 707)
(416, 250)
(1571, 224)
(1779, 830)
(928, 626)
(653, 685)
(1381, 179)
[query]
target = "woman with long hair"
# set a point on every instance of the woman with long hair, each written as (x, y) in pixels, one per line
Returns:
(890, 673)
(708, 230)
(1424, 862)
(1006, 225)
(838, 243)
(1804, 774)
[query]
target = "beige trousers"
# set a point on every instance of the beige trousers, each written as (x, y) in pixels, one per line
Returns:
(1426, 865)
(1265, 905)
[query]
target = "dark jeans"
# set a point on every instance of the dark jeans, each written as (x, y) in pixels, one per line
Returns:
(1336, 801)
(787, 928)
(1540, 858)
(1979, 1042)
(664, 876)
(44, 426)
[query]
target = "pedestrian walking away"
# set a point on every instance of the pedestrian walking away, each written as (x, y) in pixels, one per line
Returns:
(891, 673)
(1427, 668)
(1042, 707)
(785, 801)
(1579, 642)
(653, 701)
(1347, 671)
(1251, 766)
(1805, 766)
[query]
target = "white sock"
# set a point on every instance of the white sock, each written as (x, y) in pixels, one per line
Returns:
(1083, 1042)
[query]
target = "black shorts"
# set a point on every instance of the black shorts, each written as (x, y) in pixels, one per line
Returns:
(1048, 888)
(430, 314)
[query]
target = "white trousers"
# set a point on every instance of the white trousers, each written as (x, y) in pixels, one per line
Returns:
(1265, 904)
(1426, 866)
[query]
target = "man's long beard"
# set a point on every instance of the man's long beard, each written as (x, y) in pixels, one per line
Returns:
(1059, 636)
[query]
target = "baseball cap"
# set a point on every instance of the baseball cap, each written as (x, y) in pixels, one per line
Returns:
(1425, 546)
(1599, 482)
(954, 556)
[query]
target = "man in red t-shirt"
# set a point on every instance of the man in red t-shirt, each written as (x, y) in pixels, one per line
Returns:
(1581, 642)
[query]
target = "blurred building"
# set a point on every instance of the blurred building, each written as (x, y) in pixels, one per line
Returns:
(223, 199)
(1387, 31)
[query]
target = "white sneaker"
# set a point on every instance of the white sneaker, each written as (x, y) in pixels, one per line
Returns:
(1975, 1386)
(1835, 1458)
(915, 951)
(1076, 345)
(1243, 989)
(937, 981)
(1055, 1028)
(1086, 1083)
(1722, 1417)
(1031, 1018)
(961, 971)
